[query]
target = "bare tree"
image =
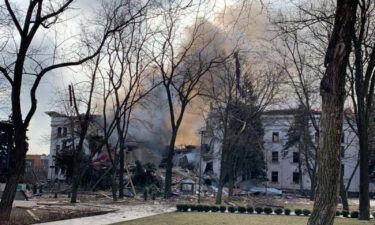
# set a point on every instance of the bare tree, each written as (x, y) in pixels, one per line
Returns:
(223, 88)
(181, 63)
(362, 84)
(126, 80)
(332, 90)
(23, 62)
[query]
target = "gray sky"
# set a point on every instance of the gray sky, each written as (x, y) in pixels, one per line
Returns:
(39, 129)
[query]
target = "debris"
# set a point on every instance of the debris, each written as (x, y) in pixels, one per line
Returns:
(32, 215)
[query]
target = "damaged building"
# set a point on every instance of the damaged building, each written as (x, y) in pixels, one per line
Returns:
(282, 169)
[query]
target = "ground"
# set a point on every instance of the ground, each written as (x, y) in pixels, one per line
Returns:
(46, 208)
(230, 219)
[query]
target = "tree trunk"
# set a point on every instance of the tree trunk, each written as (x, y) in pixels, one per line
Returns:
(364, 195)
(230, 184)
(343, 194)
(300, 174)
(219, 193)
(121, 171)
(114, 185)
(332, 90)
(312, 187)
(75, 184)
(169, 166)
(17, 155)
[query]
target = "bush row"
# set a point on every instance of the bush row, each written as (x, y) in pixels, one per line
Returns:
(258, 210)
(239, 209)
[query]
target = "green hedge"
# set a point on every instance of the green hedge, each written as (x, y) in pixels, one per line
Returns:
(345, 213)
(241, 209)
(232, 209)
(214, 208)
(278, 211)
(267, 210)
(298, 212)
(250, 210)
(259, 210)
(222, 208)
(354, 214)
(306, 212)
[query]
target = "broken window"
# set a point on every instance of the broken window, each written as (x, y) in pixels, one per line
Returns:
(59, 132)
(275, 156)
(209, 168)
(296, 177)
(295, 157)
(275, 177)
(65, 132)
(275, 137)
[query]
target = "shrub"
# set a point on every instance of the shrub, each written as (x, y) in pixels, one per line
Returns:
(250, 210)
(232, 209)
(338, 213)
(185, 207)
(287, 212)
(345, 213)
(206, 208)
(298, 212)
(193, 208)
(179, 207)
(241, 209)
(268, 210)
(306, 212)
(354, 214)
(214, 208)
(222, 208)
(200, 208)
(278, 211)
(259, 210)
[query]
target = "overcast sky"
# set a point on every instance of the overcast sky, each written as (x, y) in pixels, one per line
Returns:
(39, 129)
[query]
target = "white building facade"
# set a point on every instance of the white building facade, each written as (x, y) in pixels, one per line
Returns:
(63, 131)
(283, 165)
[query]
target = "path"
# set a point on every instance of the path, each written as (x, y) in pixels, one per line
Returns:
(124, 213)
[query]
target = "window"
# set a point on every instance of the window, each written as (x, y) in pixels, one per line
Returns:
(275, 156)
(342, 137)
(275, 137)
(64, 144)
(316, 137)
(295, 157)
(296, 177)
(342, 169)
(205, 148)
(65, 132)
(342, 151)
(59, 132)
(275, 176)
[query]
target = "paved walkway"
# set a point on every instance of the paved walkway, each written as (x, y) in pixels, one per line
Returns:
(124, 213)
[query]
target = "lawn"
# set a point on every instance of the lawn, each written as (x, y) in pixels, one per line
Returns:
(230, 219)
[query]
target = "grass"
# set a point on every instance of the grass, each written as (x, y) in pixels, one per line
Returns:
(230, 219)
